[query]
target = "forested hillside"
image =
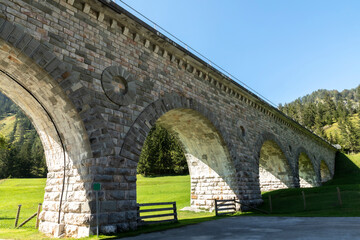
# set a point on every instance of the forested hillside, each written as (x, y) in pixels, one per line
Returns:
(21, 152)
(330, 114)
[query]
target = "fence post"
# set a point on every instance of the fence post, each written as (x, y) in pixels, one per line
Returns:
(235, 204)
(303, 195)
(270, 204)
(339, 195)
(216, 208)
(138, 213)
(17, 215)
(175, 212)
(37, 216)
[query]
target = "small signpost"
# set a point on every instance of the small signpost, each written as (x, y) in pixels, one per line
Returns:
(97, 188)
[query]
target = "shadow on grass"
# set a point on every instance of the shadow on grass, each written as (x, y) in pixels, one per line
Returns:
(322, 201)
(346, 171)
(7, 218)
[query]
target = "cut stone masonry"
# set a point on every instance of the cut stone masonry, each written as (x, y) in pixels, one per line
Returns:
(94, 79)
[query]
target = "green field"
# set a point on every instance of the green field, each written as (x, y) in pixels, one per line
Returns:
(320, 201)
(27, 192)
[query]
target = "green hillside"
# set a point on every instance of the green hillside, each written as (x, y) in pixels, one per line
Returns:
(331, 114)
(334, 130)
(7, 125)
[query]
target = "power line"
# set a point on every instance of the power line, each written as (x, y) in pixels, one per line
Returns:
(187, 47)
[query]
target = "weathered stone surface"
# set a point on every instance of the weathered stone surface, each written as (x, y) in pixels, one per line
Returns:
(94, 88)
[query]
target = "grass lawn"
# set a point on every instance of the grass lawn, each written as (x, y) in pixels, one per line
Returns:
(27, 192)
(320, 201)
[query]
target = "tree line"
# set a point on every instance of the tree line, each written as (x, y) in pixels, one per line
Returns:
(321, 109)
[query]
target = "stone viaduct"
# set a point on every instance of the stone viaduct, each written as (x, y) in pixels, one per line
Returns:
(94, 79)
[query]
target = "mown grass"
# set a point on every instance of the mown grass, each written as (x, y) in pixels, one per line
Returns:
(320, 201)
(30, 192)
(27, 192)
(167, 189)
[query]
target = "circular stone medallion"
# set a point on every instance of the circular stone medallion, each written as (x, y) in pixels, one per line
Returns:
(119, 85)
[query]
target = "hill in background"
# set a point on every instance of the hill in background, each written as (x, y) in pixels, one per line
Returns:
(331, 114)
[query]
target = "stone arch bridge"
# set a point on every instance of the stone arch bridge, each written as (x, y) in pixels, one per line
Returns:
(94, 79)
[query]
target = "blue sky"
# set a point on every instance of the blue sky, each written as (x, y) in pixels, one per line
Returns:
(282, 49)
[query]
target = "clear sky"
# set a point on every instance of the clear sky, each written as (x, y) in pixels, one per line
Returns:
(284, 49)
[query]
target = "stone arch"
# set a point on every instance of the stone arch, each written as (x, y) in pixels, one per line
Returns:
(39, 83)
(306, 169)
(197, 129)
(275, 170)
(324, 171)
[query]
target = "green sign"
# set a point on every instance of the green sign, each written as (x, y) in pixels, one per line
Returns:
(97, 186)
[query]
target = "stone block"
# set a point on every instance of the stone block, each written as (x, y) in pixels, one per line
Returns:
(108, 206)
(109, 229)
(117, 217)
(15, 35)
(6, 29)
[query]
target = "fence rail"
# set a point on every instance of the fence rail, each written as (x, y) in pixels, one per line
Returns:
(228, 206)
(223, 207)
(140, 219)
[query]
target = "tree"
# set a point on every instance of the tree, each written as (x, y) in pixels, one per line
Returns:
(3, 142)
(161, 154)
(350, 135)
(309, 115)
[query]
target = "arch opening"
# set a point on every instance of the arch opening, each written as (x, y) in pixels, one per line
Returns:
(62, 134)
(212, 175)
(274, 169)
(25, 156)
(307, 173)
(324, 172)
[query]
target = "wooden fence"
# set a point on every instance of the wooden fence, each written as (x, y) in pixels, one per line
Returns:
(141, 220)
(228, 206)
(225, 207)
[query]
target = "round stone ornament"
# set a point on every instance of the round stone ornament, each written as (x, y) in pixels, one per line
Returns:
(119, 85)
